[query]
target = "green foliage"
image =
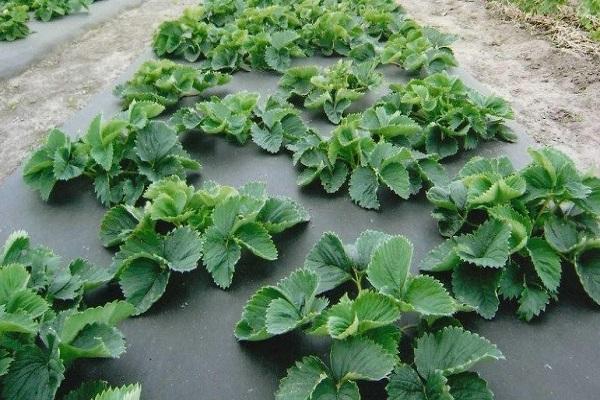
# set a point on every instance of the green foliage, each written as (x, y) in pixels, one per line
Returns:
(229, 116)
(419, 49)
(44, 324)
(100, 390)
(45, 10)
(13, 21)
(267, 35)
(362, 324)
(213, 224)
(511, 232)
(121, 156)
(166, 82)
(453, 116)
(332, 89)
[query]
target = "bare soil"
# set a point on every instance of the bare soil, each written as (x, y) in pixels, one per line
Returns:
(555, 92)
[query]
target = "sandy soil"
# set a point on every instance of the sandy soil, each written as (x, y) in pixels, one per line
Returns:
(48, 93)
(555, 93)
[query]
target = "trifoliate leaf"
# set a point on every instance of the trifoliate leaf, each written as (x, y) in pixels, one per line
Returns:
(477, 288)
(300, 288)
(395, 176)
(270, 140)
(488, 246)
(182, 249)
(366, 244)
(451, 351)
(374, 310)
(225, 214)
(302, 379)
(280, 213)
(390, 265)
(329, 260)
(35, 374)
(441, 258)
(252, 326)
(363, 188)
(587, 265)
(561, 234)
(94, 341)
(220, 255)
(27, 302)
(143, 281)
(469, 386)
(532, 302)
(13, 278)
(328, 390)
(358, 358)
(282, 316)
(14, 248)
(405, 384)
(109, 314)
(512, 282)
(428, 296)
(17, 322)
(117, 224)
(155, 141)
(254, 237)
(546, 262)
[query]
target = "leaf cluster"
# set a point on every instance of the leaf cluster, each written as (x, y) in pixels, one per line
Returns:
(363, 325)
(332, 89)
(179, 226)
(267, 35)
(13, 21)
(45, 10)
(121, 156)
(44, 323)
(419, 49)
(230, 116)
(166, 82)
(454, 116)
(511, 232)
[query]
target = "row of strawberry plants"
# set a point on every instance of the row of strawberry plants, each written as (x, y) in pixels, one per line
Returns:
(14, 14)
(261, 35)
(396, 143)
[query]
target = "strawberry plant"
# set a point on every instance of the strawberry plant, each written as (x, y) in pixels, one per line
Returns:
(230, 116)
(511, 232)
(45, 10)
(186, 37)
(453, 116)
(166, 82)
(121, 156)
(213, 224)
(419, 49)
(13, 21)
(352, 153)
(332, 89)
(363, 325)
(44, 324)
